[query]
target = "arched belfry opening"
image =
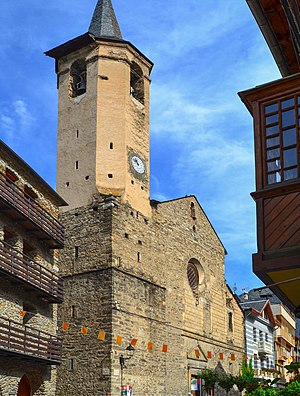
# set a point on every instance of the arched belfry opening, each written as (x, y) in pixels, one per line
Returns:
(136, 82)
(78, 78)
(24, 388)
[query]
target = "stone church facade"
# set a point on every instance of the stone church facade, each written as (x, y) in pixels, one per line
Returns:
(146, 304)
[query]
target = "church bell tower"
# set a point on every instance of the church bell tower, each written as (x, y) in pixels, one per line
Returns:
(103, 124)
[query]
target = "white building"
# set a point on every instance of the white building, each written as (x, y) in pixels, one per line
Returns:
(259, 326)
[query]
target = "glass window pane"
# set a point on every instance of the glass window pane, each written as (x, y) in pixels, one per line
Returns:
(275, 153)
(272, 130)
(271, 108)
(274, 141)
(274, 178)
(287, 103)
(290, 174)
(290, 157)
(288, 118)
(271, 119)
(273, 165)
(289, 137)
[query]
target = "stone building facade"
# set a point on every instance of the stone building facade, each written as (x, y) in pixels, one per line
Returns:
(30, 287)
(146, 304)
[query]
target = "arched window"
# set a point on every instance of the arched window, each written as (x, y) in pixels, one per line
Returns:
(195, 274)
(136, 82)
(193, 212)
(78, 78)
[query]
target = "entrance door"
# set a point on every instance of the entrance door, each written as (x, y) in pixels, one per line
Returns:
(24, 387)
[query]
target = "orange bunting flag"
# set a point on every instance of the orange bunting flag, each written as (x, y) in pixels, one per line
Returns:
(119, 340)
(232, 357)
(84, 330)
(150, 346)
(165, 348)
(245, 357)
(197, 353)
(134, 342)
(221, 356)
(65, 326)
(209, 355)
(23, 313)
(101, 335)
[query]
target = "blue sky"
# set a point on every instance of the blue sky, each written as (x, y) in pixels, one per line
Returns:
(201, 134)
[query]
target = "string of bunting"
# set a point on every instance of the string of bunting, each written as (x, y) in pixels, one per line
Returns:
(101, 336)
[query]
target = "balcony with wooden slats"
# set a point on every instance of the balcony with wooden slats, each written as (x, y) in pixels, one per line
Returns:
(22, 208)
(28, 343)
(32, 275)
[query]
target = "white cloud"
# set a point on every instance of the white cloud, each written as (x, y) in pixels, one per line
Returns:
(15, 120)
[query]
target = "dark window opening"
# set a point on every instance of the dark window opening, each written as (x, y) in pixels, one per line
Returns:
(30, 312)
(230, 321)
(73, 312)
(193, 212)
(67, 184)
(78, 78)
(136, 82)
(111, 146)
(132, 182)
(87, 177)
(140, 242)
(70, 364)
(30, 193)
(110, 176)
(76, 252)
(10, 175)
(76, 165)
(139, 257)
(126, 235)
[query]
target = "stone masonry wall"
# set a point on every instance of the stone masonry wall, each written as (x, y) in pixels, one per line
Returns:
(130, 279)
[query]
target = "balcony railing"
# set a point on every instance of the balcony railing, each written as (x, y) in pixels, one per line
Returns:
(17, 199)
(264, 347)
(30, 343)
(28, 271)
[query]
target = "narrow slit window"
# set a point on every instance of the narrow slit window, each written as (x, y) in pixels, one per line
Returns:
(76, 165)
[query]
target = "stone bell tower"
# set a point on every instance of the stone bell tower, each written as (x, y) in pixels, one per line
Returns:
(103, 125)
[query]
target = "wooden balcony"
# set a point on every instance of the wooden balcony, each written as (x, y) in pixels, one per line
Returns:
(21, 207)
(28, 343)
(30, 273)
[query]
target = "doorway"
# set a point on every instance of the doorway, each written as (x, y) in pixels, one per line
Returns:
(24, 387)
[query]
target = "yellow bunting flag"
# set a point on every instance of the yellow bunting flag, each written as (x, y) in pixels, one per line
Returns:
(65, 326)
(197, 353)
(101, 335)
(134, 342)
(119, 340)
(221, 356)
(84, 330)
(165, 348)
(150, 346)
(23, 313)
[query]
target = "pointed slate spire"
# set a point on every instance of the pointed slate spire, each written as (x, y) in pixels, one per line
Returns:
(104, 22)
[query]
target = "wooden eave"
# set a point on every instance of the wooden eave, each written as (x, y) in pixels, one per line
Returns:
(274, 25)
(39, 181)
(269, 90)
(88, 39)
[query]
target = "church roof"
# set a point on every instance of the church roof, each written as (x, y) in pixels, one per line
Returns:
(104, 22)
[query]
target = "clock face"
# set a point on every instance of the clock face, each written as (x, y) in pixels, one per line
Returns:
(137, 164)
